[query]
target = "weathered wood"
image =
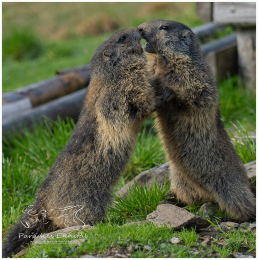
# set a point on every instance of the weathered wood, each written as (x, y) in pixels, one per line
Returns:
(12, 97)
(56, 87)
(223, 62)
(12, 109)
(205, 11)
(221, 55)
(235, 13)
(219, 44)
(246, 46)
(207, 30)
(67, 106)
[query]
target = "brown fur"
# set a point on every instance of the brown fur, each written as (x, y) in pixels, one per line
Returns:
(203, 162)
(80, 182)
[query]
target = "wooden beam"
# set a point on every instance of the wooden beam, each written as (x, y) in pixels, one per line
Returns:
(237, 13)
(67, 106)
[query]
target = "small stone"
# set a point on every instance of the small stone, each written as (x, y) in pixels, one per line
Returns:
(244, 225)
(239, 255)
(118, 251)
(88, 256)
(252, 226)
(205, 241)
(130, 249)
(120, 255)
(224, 226)
(175, 240)
(176, 217)
(21, 253)
(232, 224)
(208, 209)
(147, 247)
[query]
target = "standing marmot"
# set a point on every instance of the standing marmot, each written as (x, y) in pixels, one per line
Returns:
(78, 186)
(204, 164)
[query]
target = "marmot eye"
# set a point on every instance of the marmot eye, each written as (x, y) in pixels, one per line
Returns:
(122, 39)
(164, 27)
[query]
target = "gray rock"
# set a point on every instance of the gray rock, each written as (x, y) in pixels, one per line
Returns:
(251, 169)
(208, 209)
(130, 249)
(176, 217)
(21, 253)
(206, 241)
(252, 226)
(175, 240)
(239, 255)
(224, 226)
(244, 225)
(160, 173)
(232, 224)
(88, 256)
(120, 256)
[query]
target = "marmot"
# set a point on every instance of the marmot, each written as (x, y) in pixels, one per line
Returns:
(203, 162)
(78, 186)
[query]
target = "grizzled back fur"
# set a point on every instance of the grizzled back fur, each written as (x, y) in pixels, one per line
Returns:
(78, 186)
(203, 162)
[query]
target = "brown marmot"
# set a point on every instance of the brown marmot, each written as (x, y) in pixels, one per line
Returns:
(203, 162)
(78, 186)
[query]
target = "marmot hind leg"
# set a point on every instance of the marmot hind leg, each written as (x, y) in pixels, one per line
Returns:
(186, 191)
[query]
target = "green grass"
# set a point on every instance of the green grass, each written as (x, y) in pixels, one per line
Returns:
(244, 146)
(105, 238)
(140, 202)
(110, 235)
(143, 157)
(36, 46)
(237, 104)
(27, 159)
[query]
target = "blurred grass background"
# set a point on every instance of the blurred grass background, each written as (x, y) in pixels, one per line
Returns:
(40, 38)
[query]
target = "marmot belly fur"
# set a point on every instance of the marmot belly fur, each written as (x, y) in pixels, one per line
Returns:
(78, 186)
(203, 162)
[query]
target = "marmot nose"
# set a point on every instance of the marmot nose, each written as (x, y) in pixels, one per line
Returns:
(141, 27)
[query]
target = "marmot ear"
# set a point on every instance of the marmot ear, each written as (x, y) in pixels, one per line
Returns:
(107, 53)
(185, 34)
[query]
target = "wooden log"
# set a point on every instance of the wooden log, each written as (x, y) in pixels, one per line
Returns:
(12, 109)
(246, 46)
(207, 30)
(12, 97)
(56, 87)
(218, 44)
(223, 62)
(221, 55)
(67, 106)
(235, 13)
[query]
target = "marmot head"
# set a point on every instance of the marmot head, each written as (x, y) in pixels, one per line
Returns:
(119, 51)
(170, 39)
